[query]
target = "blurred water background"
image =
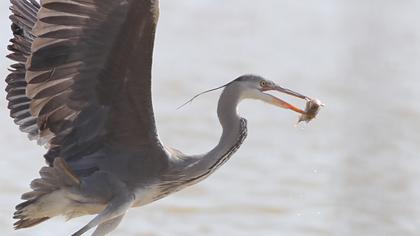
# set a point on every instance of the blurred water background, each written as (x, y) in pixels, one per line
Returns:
(352, 171)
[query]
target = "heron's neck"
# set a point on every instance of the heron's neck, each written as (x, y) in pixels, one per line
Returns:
(230, 122)
(234, 132)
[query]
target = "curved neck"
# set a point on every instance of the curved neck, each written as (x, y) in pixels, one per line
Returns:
(229, 120)
(199, 167)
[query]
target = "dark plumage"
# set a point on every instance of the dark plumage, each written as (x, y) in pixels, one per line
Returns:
(65, 87)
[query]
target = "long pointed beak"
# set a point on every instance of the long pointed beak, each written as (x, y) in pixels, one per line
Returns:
(283, 104)
(290, 92)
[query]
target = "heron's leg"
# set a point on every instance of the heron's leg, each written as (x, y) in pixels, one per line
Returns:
(116, 208)
(107, 226)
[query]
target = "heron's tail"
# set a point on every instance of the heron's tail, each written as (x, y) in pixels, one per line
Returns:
(25, 221)
(46, 199)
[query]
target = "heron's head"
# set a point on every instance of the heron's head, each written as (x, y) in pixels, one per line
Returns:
(256, 87)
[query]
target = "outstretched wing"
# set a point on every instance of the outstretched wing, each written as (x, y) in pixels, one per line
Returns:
(88, 74)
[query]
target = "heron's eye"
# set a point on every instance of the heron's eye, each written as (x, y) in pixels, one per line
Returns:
(263, 83)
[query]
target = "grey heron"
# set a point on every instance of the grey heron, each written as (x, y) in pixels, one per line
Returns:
(81, 87)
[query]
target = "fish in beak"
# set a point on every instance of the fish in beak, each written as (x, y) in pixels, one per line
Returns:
(312, 105)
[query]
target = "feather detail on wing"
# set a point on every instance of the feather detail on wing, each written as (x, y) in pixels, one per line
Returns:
(83, 75)
(23, 19)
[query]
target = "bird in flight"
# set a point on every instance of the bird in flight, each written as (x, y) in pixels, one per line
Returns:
(81, 87)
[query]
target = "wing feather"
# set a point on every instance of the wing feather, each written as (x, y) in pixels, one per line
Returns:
(23, 20)
(86, 79)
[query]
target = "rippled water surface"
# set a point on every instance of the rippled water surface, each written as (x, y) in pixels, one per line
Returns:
(353, 171)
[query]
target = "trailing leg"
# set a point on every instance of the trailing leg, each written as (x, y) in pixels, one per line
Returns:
(110, 217)
(107, 226)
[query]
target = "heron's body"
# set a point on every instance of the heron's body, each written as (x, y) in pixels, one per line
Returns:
(82, 87)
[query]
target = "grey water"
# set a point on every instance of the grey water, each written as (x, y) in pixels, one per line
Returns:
(354, 170)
